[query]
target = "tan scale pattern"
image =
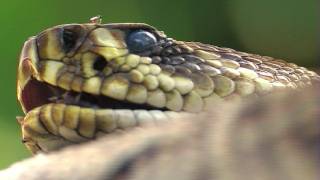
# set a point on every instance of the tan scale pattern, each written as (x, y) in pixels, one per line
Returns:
(174, 75)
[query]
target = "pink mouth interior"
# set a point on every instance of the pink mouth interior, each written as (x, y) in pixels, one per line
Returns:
(35, 94)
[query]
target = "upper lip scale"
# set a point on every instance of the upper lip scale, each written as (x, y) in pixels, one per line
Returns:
(26, 70)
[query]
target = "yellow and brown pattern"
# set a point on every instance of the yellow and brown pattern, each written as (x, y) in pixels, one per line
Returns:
(79, 81)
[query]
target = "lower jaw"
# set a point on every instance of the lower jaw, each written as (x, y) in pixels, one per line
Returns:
(55, 125)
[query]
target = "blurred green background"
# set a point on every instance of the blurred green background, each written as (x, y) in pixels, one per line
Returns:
(284, 29)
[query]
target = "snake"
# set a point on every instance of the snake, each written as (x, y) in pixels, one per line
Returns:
(78, 82)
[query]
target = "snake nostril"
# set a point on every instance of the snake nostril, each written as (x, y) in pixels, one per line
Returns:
(100, 63)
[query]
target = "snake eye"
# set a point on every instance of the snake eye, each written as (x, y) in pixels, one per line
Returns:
(69, 39)
(140, 40)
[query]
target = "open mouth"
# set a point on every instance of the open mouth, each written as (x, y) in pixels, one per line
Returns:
(56, 117)
(36, 94)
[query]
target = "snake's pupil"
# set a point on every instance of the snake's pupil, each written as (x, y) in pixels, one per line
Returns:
(69, 40)
(100, 63)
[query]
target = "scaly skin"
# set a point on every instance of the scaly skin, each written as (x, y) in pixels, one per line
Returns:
(93, 61)
(274, 137)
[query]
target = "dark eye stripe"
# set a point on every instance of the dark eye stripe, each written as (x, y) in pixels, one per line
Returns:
(139, 41)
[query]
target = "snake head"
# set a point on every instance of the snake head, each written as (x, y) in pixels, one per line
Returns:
(110, 76)
(77, 57)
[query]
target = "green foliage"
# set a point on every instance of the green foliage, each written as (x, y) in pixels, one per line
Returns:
(284, 29)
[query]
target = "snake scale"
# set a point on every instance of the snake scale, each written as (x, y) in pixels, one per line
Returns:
(77, 82)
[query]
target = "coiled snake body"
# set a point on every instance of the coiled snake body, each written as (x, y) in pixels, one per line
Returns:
(79, 81)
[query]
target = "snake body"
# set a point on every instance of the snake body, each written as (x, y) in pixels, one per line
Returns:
(77, 82)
